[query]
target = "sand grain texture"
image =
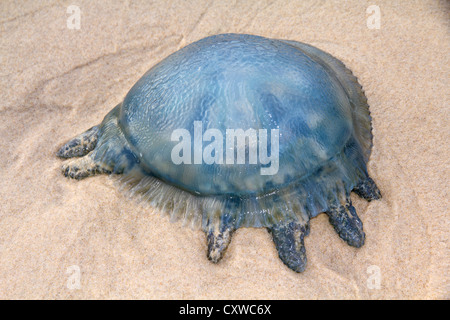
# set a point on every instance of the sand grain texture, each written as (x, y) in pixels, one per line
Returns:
(57, 82)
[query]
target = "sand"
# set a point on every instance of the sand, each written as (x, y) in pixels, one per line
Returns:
(68, 239)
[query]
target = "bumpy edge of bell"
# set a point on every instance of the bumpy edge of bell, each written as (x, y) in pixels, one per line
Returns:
(299, 201)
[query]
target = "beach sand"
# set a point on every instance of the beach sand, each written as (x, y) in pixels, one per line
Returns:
(67, 239)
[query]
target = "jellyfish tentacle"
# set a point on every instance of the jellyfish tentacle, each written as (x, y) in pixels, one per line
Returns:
(80, 168)
(367, 189)
(289, 242)
(81, 145)
(218, 237)
(347, 224)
